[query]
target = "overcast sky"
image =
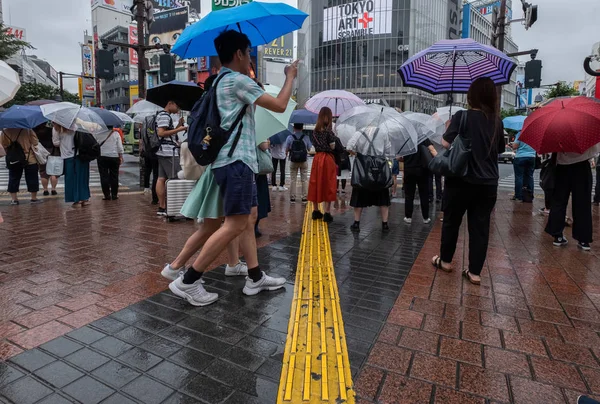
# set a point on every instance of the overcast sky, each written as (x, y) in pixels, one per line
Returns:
(564, 33)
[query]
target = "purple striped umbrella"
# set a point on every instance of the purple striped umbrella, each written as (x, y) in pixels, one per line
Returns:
(450, 66)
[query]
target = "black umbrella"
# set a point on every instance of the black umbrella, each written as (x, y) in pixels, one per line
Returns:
(184, 93)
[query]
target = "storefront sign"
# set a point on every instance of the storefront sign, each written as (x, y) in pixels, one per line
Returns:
(17, 32)
(133, 40)
(453, 19)
(357, 19)
(280, 48)
(87, 60)
(221, 4)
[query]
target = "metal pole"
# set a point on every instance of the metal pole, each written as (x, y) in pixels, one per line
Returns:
(62, 89)
(140, 17)
(500, 43)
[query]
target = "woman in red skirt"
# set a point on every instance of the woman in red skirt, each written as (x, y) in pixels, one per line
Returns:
(323, 175)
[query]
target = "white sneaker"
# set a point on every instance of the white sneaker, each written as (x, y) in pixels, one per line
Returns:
(407, 220)
(241, 269)
(195, 293)
(147, 191)
(281, 189)
(170, 273)
(265, 283)
(427, 221)
(274, 188)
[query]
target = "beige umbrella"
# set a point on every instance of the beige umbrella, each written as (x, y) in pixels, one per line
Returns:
(9, 83)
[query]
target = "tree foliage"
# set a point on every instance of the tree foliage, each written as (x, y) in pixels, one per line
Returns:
(505, 113)
(10, 45)
(561, 89)
(35, 91)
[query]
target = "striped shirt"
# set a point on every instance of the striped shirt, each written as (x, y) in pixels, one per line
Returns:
(167, 147)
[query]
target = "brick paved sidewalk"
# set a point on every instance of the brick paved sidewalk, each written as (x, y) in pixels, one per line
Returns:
(528, 334)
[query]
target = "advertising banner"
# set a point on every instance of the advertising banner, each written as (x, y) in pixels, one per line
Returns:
(453, 19)
(133, 40)
(17, 32)
(117, 5)
(164, 5)
(87, 59)
(280, 48)
(221, 4)
(357, 19)
(134, 94)
(488, 9)
(167, 26)
(203, 64)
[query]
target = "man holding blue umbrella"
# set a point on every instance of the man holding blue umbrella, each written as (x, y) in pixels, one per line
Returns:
(524, 163)
(235, 167)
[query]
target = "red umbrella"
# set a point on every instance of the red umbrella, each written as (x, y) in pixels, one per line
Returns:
(564, 125)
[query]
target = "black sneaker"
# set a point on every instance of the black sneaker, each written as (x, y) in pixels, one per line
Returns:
(584, 246)
(161, 212)
(293, 200)
(316, 215)
(46, 193)
(154, 202)
(355, 226)
(304, 201)
(560, 241)
(14, 203)
(54, 193)
(35, 201)
(385, 226)
(327, 218)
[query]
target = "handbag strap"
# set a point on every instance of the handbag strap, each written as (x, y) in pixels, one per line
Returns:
(463, 124)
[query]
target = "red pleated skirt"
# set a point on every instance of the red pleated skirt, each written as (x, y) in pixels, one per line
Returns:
(323, 184)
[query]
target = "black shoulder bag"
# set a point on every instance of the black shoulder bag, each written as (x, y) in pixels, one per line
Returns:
(371, 173)
(454, 162)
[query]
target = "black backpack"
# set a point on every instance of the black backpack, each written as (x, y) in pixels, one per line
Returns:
(206, 138)
(15, 155)
(152, 141)
(341, 155)
(86, 146)
(298, 152)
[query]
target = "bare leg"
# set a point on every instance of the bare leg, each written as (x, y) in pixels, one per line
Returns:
(248, 241)
(45, 184)
(196, 241)
(33, 196)
(385, 213)
(233, 252)
(357, 213)
(14, 197)
(53, 182)
(160, 190)
(233, 227)
(327, 207)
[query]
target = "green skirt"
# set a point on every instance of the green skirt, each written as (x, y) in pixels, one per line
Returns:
(204, 202)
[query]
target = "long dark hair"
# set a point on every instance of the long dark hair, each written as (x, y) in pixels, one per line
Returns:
(325, 120)
(482, 95)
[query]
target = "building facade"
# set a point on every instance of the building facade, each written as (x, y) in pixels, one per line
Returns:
(115, 92)
(30, 72)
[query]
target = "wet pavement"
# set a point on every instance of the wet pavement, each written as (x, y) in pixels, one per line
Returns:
(86, 317)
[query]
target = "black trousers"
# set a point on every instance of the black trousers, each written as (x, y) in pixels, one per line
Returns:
(438, 185)
(31, 178)
(576, 180)
(478, 202)
(151, 167)
(597, 191)
(108, 167)
(411, 181)
(281, 172)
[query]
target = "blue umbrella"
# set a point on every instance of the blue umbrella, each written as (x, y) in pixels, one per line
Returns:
(514, 122)
(108, 117)
(304, 116)
(261, 22)
(280, 138)
(22, 117)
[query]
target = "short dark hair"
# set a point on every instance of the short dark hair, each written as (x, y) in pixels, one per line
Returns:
(299, 126)
(228, 43)
(208, 83)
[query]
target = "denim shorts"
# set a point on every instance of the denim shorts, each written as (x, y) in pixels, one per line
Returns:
(237, 183)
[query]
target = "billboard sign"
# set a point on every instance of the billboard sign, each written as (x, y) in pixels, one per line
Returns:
(488, 9)
(133, 40)
(167, 26)
(17, 32)
(87, 59)
(453, 19)
(123, 6)
(222, 4)
(357, 19)
(203, 64)
(134, 94)
(280, 48)
(164, 5)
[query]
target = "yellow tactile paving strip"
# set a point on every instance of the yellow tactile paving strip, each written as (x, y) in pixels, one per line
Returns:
(316, 368)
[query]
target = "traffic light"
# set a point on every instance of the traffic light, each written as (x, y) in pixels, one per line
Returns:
(105, 68)
(531, 14)
(167, 68)
(533, 74)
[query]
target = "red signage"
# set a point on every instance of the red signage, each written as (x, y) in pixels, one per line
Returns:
(598, 87)
(133, 40)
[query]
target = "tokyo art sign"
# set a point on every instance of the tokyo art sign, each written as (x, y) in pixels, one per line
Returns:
(357, 19)
(221, 4)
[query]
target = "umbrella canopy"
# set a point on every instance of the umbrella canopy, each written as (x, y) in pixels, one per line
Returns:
(424, 124)
(22, 117)
(338, 101)
(184, 93)
(393, 127)
(564, 125)
(108, 118)
(280, 138)
(514, 122)
(450, 66)
(122, 116)
(41, 102)
(9, 83)
(261, 22)
(74, 117)
(445, 113)
(304, 116)
(144, 107)
(269, 123)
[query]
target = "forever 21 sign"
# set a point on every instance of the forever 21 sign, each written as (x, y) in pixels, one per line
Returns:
(453, 19)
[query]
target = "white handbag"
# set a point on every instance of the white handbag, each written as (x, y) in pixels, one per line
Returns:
(54, 166)
(41, 154)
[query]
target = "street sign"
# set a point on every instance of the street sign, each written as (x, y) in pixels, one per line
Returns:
(222, 4)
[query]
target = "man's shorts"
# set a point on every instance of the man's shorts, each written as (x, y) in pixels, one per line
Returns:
(238, 188)
(395, 167)
(168, 167)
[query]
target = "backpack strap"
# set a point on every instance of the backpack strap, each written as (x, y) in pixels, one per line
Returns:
(108, 137)
(238, 120)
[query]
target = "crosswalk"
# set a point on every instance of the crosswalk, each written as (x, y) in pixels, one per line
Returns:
(509, 182)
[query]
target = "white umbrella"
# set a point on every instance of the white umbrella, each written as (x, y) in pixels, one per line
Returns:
(444, 112)
(9, 83)
(338, 101)
(144, 107)
(270, 123)
(425, 125)
(122, 116)
(393, 127)
(74, 117)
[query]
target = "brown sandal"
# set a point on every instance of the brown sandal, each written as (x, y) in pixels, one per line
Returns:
(437, 262)
(474, 279)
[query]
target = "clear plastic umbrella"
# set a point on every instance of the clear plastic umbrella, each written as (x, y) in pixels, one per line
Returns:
(338, 101)
(144, 107)
(9, 83)
(394, 129)
(445, 113)
(424, 124)
(74, 117)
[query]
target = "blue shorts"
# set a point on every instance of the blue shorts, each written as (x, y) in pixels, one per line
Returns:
(395, 167)
(237, 183)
